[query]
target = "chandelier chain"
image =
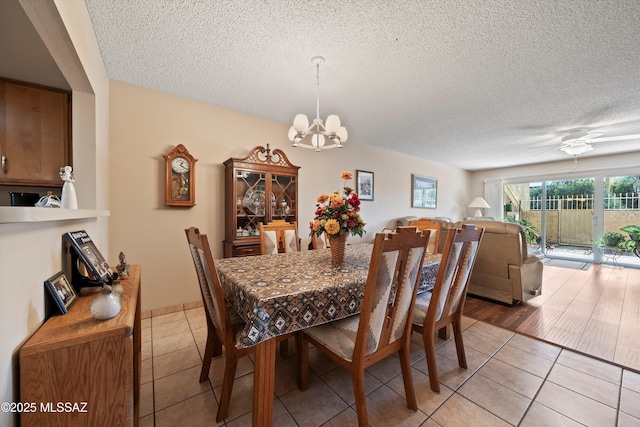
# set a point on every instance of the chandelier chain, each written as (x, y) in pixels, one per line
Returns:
(318, 90)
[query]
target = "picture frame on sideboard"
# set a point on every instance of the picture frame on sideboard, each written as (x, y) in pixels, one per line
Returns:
(61, 291)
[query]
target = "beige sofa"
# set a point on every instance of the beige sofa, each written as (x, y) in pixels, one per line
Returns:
(504, 270)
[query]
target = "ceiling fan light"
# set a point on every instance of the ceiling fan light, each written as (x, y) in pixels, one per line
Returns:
(574, 150)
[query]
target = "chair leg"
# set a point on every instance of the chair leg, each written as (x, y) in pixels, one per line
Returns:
(208, 355)
(357, 377)
(212, 348)
(302, 350)
(430, 352)
(443, 333)
(407, 378)
(230, 365)
(457, 334)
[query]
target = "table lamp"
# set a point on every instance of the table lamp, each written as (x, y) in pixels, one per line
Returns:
(479, 203)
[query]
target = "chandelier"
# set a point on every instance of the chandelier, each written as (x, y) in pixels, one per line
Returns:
(318, 136)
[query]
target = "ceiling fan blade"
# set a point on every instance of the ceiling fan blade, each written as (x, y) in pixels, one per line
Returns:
(592, 135)
(547, 143)
(547, 151)
(617, 138)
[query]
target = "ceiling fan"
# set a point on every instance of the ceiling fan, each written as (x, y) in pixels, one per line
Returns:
(579, 141)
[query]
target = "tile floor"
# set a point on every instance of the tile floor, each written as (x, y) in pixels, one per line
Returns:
(511, 380)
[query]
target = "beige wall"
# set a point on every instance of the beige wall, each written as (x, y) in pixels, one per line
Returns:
(31, 252)
(146, 124)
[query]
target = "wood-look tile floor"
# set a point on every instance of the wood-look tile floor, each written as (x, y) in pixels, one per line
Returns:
(595, 312)
(512, 380)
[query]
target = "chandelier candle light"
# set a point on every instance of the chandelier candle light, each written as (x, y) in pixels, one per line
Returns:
(316, 135)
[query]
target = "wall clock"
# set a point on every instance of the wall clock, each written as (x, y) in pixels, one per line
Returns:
(180, 185)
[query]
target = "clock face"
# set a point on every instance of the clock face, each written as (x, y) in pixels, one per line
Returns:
(180, 165)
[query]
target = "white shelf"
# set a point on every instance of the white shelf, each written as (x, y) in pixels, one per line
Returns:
(12, 214)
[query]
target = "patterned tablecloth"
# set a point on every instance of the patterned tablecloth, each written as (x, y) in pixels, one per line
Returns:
(281, 293)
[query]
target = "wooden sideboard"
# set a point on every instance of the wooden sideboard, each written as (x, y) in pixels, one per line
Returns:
(75, 359)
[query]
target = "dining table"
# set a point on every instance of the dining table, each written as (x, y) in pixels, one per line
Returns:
(281, 293)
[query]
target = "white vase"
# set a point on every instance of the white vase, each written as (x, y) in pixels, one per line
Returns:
(106, 305)
(68, 199)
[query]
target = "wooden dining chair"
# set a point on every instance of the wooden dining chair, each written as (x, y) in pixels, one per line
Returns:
(383, 326)
(279, 236)
(319, 242)
(444, 305)
(434, 226)
(223, 323)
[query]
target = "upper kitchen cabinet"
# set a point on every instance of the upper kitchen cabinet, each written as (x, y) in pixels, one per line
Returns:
(35, 133)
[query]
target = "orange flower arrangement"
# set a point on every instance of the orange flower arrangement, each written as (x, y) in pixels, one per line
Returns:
(337, 214)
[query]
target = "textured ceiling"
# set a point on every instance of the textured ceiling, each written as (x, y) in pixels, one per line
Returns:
(475, 84)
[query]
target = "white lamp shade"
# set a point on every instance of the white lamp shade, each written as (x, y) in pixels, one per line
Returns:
(317, 140)
(301, 123)
(292, 133)
(342, 133)
(478, 203)
(333, 123)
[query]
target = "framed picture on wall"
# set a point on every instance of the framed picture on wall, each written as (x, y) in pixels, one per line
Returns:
(364, 183)
(424, 192)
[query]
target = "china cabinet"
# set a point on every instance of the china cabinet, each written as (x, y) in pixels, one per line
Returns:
(261, 187)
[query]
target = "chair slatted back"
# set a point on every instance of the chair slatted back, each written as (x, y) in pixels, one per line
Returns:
(210, 288)
(434, 226)
(279, 236)
(394, 272)
(458, 256)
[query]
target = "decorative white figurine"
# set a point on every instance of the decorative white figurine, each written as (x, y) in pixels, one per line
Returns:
(68, 199)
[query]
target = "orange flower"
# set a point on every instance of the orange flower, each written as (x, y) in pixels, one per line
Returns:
(346, 175)
(323, 198)
(336, 200)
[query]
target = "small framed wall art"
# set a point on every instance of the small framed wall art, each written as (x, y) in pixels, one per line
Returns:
(424, 192)
(364, 185)
(61, 291)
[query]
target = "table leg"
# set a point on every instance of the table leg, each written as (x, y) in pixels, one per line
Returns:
(263, 383)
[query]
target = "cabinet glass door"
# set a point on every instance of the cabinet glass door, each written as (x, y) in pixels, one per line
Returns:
(283, 188)
(251, 202)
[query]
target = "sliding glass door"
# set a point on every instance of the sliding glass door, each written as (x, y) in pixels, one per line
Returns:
(570, 217)
(620, 207)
